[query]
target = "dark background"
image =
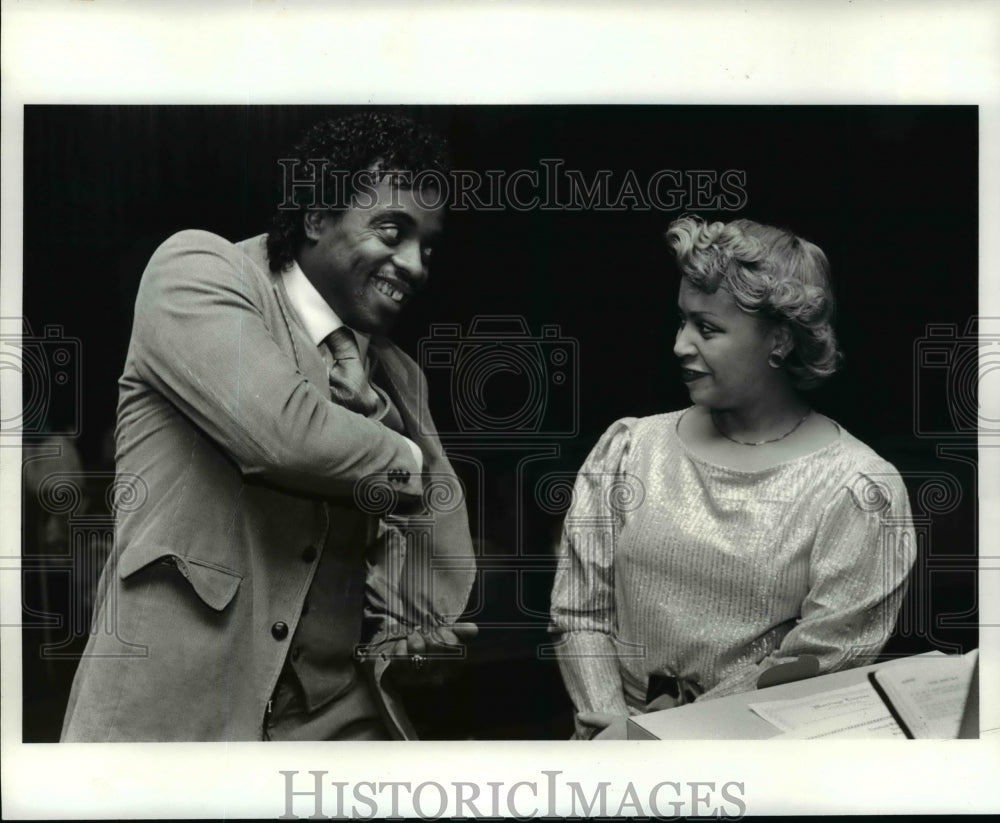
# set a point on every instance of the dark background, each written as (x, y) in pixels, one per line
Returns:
(889, 193)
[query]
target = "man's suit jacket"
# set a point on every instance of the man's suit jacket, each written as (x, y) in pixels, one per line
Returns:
(232, 461)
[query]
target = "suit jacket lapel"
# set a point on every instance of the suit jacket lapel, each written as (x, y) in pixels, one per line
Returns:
(307, 355)
(391, 375)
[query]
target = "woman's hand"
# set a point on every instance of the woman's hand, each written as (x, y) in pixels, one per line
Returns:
(607, 726)
(664, 701)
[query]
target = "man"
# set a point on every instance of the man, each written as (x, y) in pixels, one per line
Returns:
(264, 421)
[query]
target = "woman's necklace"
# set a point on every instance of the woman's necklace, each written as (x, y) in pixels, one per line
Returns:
(760, 442)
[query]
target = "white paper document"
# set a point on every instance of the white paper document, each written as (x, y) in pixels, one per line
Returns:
(854, 711)
(922, 698)
(866, 725)
(929, 696)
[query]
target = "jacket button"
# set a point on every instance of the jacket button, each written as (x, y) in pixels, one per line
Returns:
(309, 554)
(279, 631)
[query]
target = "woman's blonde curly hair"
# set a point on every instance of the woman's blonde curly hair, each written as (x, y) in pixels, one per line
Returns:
(769, 272)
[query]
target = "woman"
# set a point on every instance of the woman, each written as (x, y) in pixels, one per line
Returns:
(709, 545)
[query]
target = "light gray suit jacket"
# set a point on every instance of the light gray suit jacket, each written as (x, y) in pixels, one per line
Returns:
(231, 458)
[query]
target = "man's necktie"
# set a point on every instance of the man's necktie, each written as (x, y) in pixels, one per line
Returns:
(349, 384)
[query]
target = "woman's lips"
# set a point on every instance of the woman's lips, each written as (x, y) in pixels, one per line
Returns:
(690, 375)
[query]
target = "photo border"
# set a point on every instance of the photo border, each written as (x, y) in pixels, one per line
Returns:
(305, 52)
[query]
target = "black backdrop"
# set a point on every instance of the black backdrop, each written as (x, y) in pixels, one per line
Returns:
(890, 193)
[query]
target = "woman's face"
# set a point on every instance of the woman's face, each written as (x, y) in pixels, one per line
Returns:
(722, 350)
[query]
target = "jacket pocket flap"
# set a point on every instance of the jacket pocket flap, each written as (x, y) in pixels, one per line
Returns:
(214, 585)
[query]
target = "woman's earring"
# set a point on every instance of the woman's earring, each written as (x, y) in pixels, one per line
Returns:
(775, 360)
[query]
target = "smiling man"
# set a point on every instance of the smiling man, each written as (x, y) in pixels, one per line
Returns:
(260, 406)
(370, 261)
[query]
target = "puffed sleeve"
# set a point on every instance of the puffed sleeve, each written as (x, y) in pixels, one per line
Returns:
(583, 596)
(858, 569)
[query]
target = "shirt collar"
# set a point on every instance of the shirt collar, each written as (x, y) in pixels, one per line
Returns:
(316, 315)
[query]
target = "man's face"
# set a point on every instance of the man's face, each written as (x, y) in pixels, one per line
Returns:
(370, 260)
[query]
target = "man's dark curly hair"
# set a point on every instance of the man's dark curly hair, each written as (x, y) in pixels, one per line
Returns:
(350, 145)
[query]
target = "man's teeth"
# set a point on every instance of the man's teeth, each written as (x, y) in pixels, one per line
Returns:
(389, 291)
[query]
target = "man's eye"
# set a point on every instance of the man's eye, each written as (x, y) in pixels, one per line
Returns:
(427, 252)
(389, 232)
(705, 331)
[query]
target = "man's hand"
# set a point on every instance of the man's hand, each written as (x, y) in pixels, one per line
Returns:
(424, 658)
